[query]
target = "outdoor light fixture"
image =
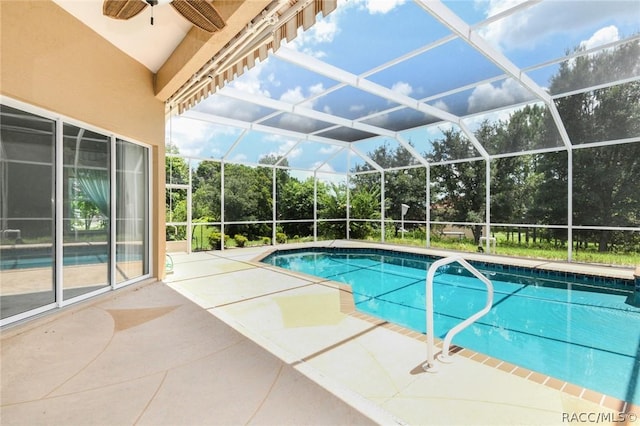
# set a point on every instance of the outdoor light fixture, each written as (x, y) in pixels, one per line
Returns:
(405, 208)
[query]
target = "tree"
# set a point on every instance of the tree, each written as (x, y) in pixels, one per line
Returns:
(206, 191)
(176, 172)
(247, 198)
(332, 204)
(88, 210)
(516, 180)
(605, 179)
(296, 202)
(176, 169)
(401, 186)
(459, 186)
(365, 204)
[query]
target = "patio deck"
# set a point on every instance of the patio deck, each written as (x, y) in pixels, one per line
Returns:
(230, 341)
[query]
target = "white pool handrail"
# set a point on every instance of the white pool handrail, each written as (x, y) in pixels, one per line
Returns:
(430, 364)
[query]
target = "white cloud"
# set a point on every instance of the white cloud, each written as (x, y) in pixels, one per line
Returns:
(196, 138)
(442, 105)
(402, 88)
(313, 90)
(239, 158)
(251, 82)
(326, 167)
(356, 108)
(316, 89)
(297, 96)
(228, 107)
(437, 132)
(329, 149)
(284, 148)
(293, 96)
(381, 120)
(497, 6)
(271, 78)
(297, 123)
(475, 122)
(529, 27)
(602, 36)
(504, 115)
(487, 96)
(323, 32)
(381, 6)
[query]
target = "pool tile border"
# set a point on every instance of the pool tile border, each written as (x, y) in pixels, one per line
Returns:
(542, 270)
(347, 307)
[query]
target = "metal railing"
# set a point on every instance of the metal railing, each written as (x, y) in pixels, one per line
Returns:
(444, 356)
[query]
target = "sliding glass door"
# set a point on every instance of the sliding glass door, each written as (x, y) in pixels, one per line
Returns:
(74, 212)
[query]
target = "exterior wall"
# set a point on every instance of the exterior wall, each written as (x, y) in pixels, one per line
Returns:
(52, 60)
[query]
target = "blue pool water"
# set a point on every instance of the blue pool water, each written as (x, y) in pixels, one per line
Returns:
(44, 262)
(29, 262)
(575, 328)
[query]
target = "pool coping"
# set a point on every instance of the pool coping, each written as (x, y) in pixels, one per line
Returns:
(347, 307)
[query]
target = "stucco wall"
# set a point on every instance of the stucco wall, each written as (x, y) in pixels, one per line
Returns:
(51, 60)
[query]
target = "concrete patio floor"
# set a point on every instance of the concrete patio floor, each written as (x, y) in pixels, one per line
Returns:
(228, 341)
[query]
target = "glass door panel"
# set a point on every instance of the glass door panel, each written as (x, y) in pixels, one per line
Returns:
(27, 146)
(86, 211)
(132, 207)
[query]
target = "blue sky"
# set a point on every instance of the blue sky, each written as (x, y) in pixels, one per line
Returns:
(362, 35)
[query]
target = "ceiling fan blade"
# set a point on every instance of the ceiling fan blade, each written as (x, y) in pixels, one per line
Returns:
(200, 13)
(122, 9)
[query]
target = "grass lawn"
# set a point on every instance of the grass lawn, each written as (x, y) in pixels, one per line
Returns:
(532, 251)
(503, 247)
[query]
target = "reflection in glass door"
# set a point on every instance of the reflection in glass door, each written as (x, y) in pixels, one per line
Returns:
(27, 147)
(132, 209)
(86, 211)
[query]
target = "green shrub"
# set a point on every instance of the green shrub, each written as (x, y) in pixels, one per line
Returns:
(281, 238)
(266, 241)
(240, 240)
(215, 239)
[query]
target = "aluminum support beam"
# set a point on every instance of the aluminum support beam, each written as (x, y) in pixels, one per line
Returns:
(305, 112)
(448, 18)
(223, 121)
(317, 66)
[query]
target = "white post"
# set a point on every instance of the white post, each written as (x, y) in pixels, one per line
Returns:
(405, 208)
(569, 205)
(222, 204)
(315, 206)
(487, 203)
(189, 209)
(382, 212)
(274, 210)
(428, 204)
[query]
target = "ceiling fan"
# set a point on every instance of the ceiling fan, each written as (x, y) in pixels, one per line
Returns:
(201, 13)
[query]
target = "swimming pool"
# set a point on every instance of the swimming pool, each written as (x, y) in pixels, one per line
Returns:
(576, 328)
(28, 257)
